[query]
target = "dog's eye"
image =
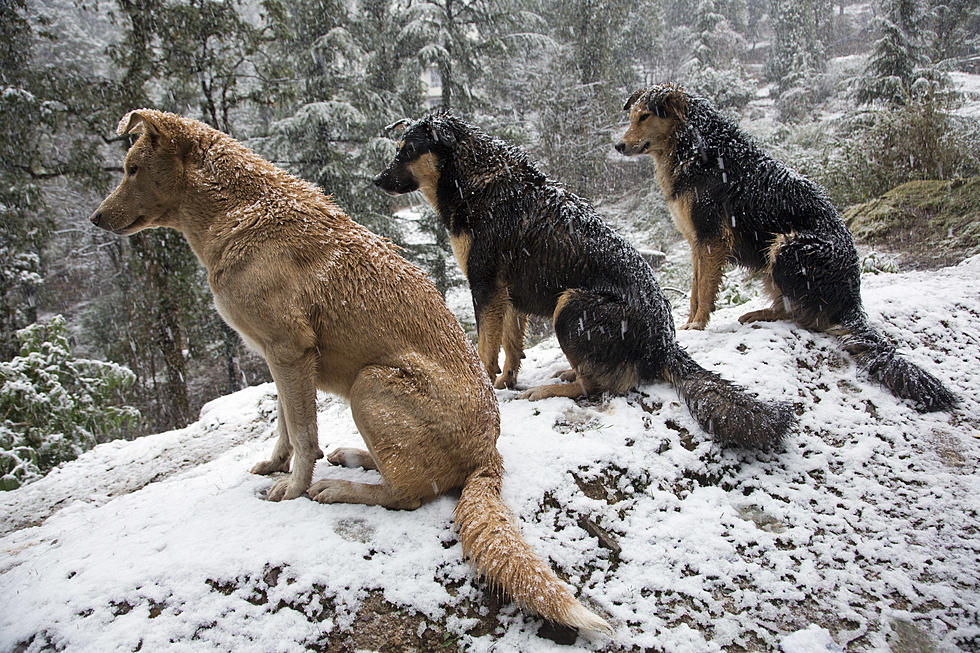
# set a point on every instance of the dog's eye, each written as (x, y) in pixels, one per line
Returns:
(131, 170)
(643, 117)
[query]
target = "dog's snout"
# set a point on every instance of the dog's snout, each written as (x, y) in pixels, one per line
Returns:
(621, 147)
(96, 218)
(378, 179)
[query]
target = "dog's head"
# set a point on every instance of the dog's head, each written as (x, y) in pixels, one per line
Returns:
(654, 115)
(153, 176)
(422, 149)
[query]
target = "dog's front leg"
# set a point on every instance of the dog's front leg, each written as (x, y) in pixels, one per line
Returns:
(709, 266)
(293, 373)
(489, 303)
(514, 326)
(282, 452)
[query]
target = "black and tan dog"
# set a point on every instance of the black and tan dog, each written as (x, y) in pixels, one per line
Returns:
(734, 203)
(529, 247)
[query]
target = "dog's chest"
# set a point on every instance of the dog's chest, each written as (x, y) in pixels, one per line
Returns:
(224, 310)
(680, 210)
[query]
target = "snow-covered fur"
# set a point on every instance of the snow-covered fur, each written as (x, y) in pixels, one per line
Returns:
(735, 203)
(331, 305)
(529, 247)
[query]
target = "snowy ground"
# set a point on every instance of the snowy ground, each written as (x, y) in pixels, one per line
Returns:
(860, 534)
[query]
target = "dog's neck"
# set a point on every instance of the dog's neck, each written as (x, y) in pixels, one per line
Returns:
(479, 164)
(231, 194)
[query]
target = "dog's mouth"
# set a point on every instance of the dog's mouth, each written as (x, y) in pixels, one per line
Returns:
(645, 148)
(132, 227)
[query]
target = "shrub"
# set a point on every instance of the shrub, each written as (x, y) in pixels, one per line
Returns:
(54, 406)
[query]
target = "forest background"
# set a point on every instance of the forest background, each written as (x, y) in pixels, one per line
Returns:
(103, 337)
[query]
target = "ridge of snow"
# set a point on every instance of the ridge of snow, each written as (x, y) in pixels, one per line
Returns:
(867, 516)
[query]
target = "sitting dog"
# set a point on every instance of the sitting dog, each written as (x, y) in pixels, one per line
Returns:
(528, 246)
(331, 305)
(733, 202)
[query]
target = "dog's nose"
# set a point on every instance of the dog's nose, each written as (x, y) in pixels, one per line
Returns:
(96, 219)
(377, 179)
(621, 147)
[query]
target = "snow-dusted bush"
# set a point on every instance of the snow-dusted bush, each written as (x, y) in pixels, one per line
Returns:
(54, 406)
(892, 145)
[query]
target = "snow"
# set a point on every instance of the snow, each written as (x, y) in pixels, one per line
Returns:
(867, 517)
(968, 85)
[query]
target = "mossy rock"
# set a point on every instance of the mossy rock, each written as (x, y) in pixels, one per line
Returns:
(928, 223)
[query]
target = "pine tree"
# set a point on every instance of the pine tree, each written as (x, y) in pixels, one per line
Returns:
(714, 69)
(899, 68)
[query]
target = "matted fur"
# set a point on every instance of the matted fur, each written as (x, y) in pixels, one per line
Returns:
(735, 203)
(331, 305)
(533, 248)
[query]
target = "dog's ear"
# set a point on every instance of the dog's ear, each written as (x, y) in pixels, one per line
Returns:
(632, 99)
(668, 101)
(397, 128)
(443, 133)
(140, 120)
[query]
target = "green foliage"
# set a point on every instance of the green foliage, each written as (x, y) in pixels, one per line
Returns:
(895, 144)
(53, 405)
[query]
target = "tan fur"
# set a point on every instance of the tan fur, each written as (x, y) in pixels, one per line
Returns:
(514, 328)
(653, 135)
(461, 249)
(490, 324)
(331, 305)
(426, 172)
(779, 310)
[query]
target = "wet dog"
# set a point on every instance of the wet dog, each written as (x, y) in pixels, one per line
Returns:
(734, 203)
(529, 247)
(331, 305)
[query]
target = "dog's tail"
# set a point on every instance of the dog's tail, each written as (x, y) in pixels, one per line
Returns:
(494, 545)
(881, 361)
(725, 410)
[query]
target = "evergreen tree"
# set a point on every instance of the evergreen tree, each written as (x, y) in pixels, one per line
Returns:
(579, 96)
(899, 67)
(714, 69)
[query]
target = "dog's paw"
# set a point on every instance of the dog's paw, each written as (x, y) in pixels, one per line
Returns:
(694, 326)
(506, 380)
(323, 491)
(535, 394)
(567, 376)
(270, 467)
(285, 489)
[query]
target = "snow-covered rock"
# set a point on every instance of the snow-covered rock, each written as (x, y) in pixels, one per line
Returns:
(865, 524)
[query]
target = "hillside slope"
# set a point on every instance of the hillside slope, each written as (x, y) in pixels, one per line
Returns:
(862, 532)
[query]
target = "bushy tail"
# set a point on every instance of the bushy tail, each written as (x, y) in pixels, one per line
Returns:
(880, 361)
(493, 543)
(725, 410)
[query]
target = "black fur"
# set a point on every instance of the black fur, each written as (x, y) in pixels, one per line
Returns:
(531, 236)
(746, 199)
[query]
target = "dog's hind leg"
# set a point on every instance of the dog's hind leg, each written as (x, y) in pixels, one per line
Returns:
(514, 326)
(818, 274)
(331, 490)
(603, 338)
(352, 457)
(282, 452)
(413, 438)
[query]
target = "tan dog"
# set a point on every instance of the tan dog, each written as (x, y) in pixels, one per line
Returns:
(331, 305)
